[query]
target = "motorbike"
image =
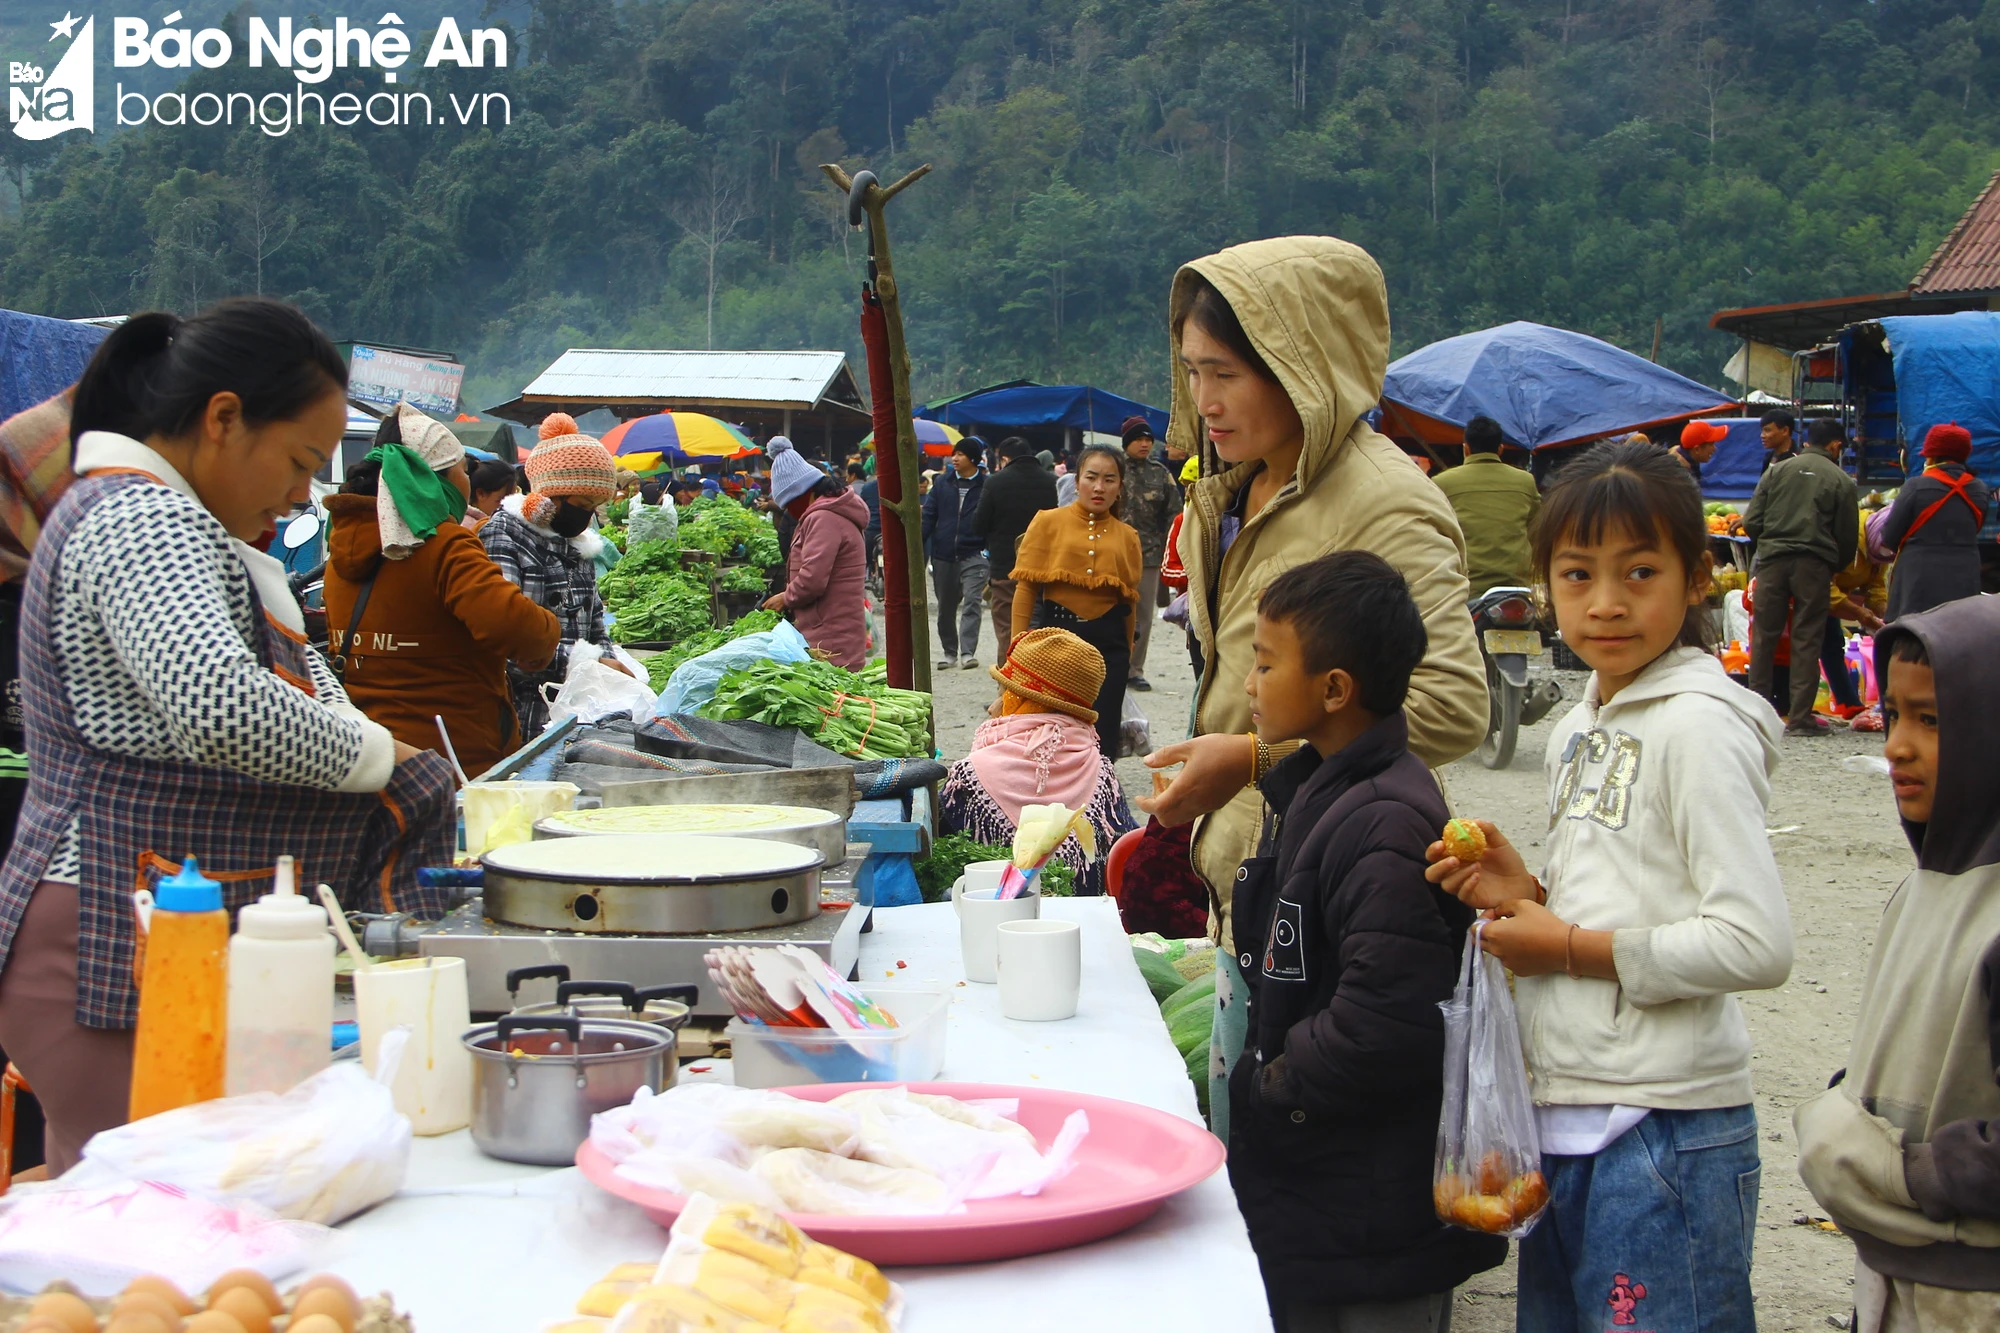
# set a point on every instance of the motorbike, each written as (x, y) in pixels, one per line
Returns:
(1505, 622)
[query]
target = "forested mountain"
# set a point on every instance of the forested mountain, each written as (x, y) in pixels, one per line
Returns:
(1598, 164)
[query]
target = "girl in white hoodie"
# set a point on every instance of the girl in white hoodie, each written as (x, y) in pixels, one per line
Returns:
(1660, 899)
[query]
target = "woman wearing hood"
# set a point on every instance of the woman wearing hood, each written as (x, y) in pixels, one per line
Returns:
(543, 544)
(421, 619)
(824, 563)
(1279, 347)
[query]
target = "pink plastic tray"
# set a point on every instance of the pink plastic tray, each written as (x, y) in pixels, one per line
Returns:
(1133, 1160)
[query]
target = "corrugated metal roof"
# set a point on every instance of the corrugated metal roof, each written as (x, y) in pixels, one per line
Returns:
(785, 379)
(1969, 259)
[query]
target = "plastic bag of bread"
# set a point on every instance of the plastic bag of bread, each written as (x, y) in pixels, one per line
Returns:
(1487, 1174)
(818, 1182)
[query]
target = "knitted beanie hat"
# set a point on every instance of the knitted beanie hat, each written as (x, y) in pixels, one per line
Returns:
(1135, 428)
(1948, 444)
(1055, 668)
(570, 463)
(791, 475)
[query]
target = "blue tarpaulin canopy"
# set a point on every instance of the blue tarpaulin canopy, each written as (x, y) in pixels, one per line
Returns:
(1948, 369)
(1544, 386)
(40, 357)
(1028, 406)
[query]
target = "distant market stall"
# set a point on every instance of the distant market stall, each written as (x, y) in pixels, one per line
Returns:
(809, 396)
(1546, 387)
(1054, 416)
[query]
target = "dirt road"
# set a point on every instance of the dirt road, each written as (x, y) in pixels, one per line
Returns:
(1841, 853)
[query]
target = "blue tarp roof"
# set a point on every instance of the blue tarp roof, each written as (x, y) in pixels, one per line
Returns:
(1739, 460)
(1071, 406)
(40, 357)
(1544, 386)
(1948, 369)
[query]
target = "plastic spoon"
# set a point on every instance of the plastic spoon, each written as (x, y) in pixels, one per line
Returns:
(449, 752)
(338, 916)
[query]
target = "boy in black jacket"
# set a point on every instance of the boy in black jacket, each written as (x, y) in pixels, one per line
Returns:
(1334, 1110)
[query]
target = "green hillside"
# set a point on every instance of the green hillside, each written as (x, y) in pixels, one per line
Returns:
(1600, 164)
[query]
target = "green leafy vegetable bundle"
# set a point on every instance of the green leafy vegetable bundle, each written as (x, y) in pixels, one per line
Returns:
(856, 715)
(668, 607)
(660, 666)
(721, 525)
(741, 578)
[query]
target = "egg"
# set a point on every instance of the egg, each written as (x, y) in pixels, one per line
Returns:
(165, 1290)
(317, 1323)
(140, 1320)
(45, 1325)
(319, 1280)
(214, 1321)
(246, 1307)
(254, 1281)
(147, 1302)
(329, 1301)
(60, 1307)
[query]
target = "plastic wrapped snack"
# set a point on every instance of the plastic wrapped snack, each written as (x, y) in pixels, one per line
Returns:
(977, 1154)
(818, 1182)
(754, 1262)
(664, 1308)
(1487, 1174)
(611, 1291)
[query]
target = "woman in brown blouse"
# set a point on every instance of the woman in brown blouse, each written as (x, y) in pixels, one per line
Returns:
(1078, 569)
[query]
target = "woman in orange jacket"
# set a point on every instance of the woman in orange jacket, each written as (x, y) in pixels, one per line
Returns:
(440, 621)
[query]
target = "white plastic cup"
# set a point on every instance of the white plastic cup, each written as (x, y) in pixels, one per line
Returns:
(980, 876)
(979, 913)
(1041, 969)
(433, 1084)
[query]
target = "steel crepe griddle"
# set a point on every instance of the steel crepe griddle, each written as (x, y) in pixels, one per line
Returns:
(662, 947)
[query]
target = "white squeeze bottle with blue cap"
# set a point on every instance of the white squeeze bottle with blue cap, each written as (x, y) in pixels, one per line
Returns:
(280, 990)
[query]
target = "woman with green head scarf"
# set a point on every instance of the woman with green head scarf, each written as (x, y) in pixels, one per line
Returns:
(437, 621)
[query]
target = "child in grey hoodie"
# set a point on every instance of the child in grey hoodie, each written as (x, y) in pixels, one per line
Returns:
(1904, 1149)
(1661, 899)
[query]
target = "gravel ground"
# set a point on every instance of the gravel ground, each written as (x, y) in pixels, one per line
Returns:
(1840, 851)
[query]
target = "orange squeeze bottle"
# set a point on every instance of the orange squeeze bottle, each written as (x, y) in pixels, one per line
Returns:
(177, 1054)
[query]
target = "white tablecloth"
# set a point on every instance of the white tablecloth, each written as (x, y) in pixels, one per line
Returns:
(478, 1246)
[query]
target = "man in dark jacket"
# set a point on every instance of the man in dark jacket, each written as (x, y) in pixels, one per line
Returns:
(1805, 516)
(958, 554)
(1009, 502)
(1348, 952)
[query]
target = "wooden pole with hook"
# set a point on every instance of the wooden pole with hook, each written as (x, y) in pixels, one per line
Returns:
(870, 199)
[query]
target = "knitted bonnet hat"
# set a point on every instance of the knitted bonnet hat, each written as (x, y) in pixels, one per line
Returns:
(791, 475)
(1950, 443)
(1056, 669)
(568, 463)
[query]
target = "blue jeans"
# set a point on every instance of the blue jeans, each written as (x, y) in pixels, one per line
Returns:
(1651, 1235)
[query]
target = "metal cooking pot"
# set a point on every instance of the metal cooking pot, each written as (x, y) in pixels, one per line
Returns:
(667, 1006)
(537, 1081)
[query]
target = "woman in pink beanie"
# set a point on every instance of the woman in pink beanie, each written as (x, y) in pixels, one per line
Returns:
(1933, 528)
(543, 543)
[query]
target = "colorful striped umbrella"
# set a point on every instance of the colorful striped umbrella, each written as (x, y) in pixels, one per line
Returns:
(935, 437)
(675, 437)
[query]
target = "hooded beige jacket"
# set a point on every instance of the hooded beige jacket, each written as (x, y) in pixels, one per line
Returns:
(1318, 312)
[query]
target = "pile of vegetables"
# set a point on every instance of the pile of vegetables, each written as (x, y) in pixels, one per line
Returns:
(951, 853)
(652, 599)
(741, 578)
(1181, 975)
(660, 666)
(858, 715)
(724, 527)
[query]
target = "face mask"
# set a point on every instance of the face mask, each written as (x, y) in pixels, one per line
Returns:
(570, 520)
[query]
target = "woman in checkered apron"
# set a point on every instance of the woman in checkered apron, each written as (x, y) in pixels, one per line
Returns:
(172, 704)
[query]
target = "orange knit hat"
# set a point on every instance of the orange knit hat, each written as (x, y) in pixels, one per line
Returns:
(569, 463)
(1055, 668)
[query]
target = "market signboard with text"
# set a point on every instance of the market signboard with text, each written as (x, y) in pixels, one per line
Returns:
(383, 378)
